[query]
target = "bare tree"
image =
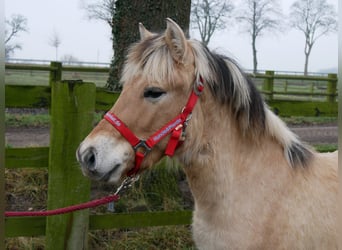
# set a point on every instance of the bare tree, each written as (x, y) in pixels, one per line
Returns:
(55, 41)
(315, 18)
(14, 26)
(69, 59)
(257, 17)
(102, 10)
(209, 16)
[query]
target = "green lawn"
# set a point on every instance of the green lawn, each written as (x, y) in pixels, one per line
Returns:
(41, 78)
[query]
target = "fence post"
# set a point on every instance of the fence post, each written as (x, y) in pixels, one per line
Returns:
(55, 74)
(332, 88)
(72, 112)
(267, 86)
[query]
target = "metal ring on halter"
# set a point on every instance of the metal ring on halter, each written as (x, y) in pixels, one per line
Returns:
(199, 85)
(142, 144)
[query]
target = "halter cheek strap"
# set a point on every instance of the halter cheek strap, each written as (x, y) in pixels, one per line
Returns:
(175, 127)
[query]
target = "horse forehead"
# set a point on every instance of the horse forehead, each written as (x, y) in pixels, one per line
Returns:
(152, 60)
(136, 84)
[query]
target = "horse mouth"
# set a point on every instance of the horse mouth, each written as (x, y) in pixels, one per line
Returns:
(106, 177)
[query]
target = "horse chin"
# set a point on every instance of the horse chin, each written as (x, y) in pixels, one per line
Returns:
(113, 176)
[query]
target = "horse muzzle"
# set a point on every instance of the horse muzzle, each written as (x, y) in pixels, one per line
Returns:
(101, 159)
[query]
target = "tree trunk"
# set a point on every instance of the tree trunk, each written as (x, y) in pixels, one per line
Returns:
(307, 51)
(306, 64)
(255, 60)
(152, 13)
(254, 37)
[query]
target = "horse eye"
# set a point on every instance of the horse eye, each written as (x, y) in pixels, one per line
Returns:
(153, 93)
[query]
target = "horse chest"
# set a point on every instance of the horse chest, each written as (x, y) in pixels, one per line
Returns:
(222, 229)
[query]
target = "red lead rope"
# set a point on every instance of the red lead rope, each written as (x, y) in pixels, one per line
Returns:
(127, 183)
(64, 210)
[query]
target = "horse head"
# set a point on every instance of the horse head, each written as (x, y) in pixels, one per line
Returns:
(158, 79)
(162, 79)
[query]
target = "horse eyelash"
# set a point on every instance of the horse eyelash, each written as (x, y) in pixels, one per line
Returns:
(153, 92)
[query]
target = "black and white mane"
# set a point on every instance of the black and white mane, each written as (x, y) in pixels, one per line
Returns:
(228, 84)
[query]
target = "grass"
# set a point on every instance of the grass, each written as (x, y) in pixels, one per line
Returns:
(27, 120)
(27, 77)
(41, 78)
(25, 243)
(326, 147)
(154, 238)
(26, 189)
(301, 120)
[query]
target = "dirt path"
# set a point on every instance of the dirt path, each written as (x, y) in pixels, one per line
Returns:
(31, 137)
(318, 134)
(27, 137)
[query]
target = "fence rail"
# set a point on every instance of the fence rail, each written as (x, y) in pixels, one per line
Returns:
(104, 64)
(75, 120)
(15, 226)
(287, 95)
(47, 62)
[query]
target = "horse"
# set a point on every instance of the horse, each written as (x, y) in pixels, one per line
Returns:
(255, 184)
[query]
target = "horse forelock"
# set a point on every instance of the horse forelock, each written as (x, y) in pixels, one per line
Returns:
(151, 59)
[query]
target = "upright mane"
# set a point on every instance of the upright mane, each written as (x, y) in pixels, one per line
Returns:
(151, 58)
(232, 87)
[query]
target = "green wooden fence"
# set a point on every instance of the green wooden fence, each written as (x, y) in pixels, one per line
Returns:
(72, 105)
(287, 95)
(295, 95)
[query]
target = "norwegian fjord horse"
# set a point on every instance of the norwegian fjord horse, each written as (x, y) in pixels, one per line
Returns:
(255, 184)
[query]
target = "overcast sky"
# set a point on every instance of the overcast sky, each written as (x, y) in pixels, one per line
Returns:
(90, 40)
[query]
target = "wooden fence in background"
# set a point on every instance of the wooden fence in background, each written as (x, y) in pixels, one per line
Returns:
(72, 105)
(287, 95)
(295, 95)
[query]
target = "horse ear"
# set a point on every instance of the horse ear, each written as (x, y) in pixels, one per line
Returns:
(144, 33)
(175, 40)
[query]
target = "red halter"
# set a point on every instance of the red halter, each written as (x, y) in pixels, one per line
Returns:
(175, 127)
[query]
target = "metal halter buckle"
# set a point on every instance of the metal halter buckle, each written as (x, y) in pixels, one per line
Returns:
(199, 83)
(127, 183)
(142, 145)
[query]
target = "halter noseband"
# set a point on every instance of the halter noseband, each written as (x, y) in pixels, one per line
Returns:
(175, 127)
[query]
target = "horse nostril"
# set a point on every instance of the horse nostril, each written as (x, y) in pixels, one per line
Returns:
(89, 159)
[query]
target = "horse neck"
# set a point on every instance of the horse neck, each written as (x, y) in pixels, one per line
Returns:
(221, 156)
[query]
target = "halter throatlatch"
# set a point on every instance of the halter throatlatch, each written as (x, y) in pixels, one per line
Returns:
(175, 127)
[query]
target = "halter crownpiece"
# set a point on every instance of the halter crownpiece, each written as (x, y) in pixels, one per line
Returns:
(175, 127)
